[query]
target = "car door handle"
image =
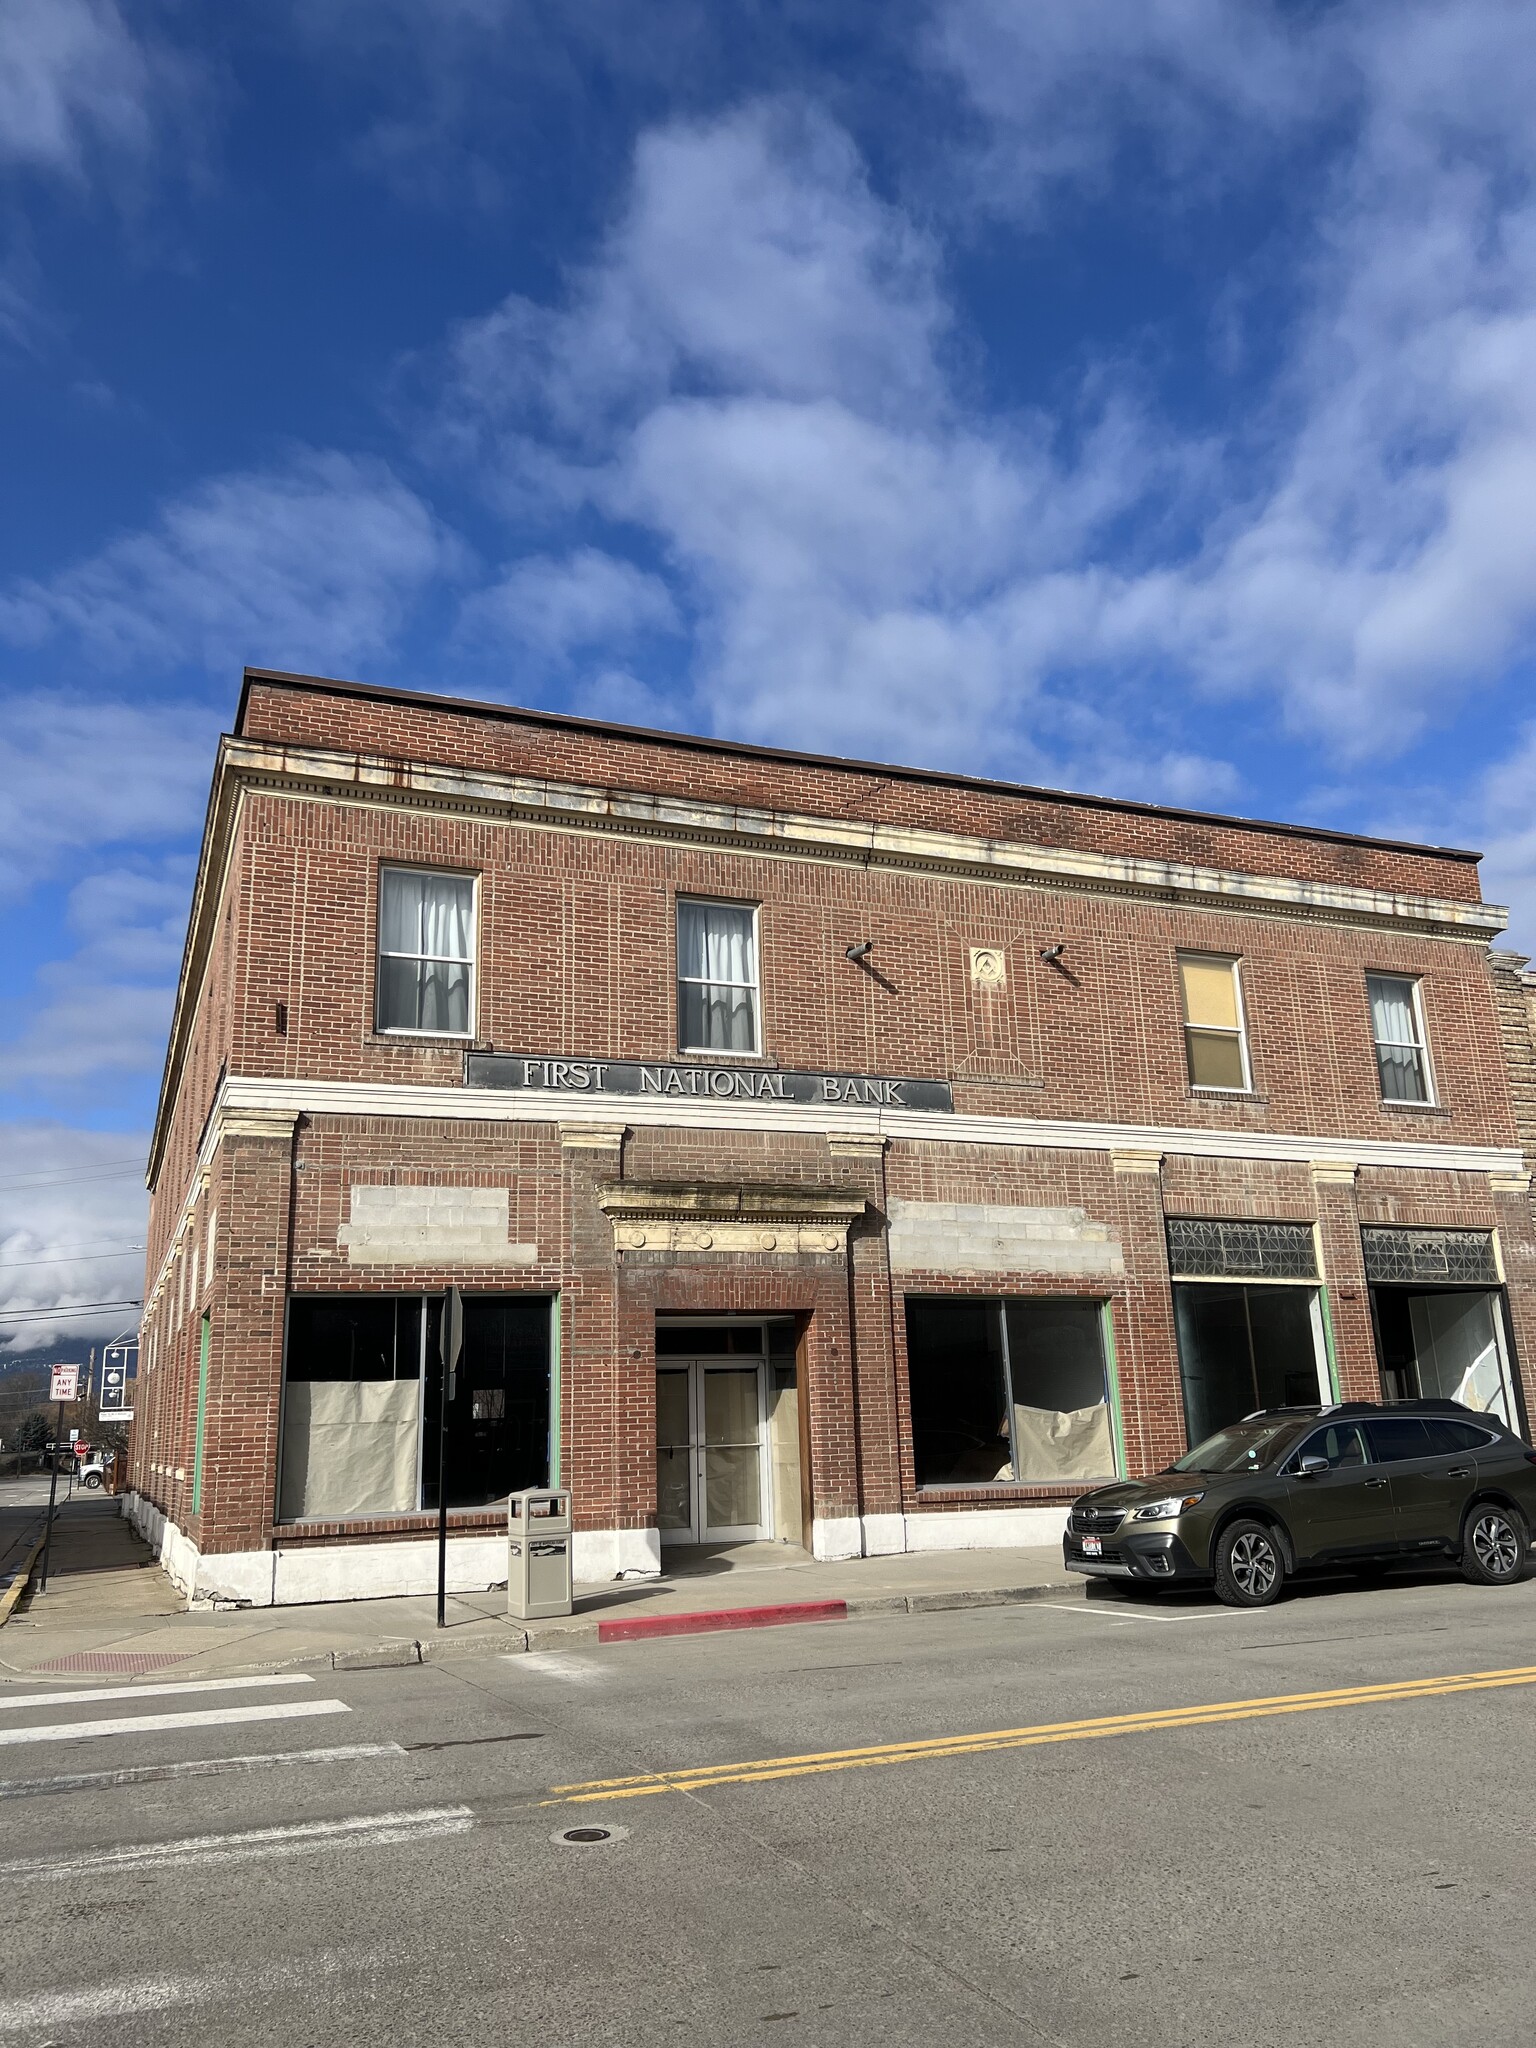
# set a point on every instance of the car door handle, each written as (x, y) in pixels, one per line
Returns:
(1460, 1472)
(1375, 1482)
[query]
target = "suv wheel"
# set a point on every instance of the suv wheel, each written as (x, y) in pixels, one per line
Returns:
(92, 1480)
(1250, 1565)
(1493, 1546)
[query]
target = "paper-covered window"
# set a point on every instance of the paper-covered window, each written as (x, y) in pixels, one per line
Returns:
(717, 992)
(1214, 1043)
(1397, 1026)
(1008, 1391)
(426, 951)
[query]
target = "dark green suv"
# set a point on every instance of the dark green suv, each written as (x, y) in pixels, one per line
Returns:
(1352, 1487)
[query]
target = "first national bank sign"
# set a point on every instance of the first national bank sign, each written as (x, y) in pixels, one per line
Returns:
(720, 1084)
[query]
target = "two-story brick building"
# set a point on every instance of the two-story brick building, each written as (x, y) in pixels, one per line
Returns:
(842, 1154)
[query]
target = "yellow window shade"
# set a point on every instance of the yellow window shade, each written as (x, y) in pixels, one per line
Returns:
(1210, 993)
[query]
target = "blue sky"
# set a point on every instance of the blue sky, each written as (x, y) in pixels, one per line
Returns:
(1126, 395)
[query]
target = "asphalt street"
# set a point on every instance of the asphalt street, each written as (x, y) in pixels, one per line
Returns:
(23, 1503)
(1077, 1822)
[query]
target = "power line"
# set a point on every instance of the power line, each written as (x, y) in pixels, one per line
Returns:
(61, 1176)
(73, 1308)
(69, 1258)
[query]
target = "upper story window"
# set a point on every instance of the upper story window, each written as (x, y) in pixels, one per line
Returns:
(717, 996)
(426, 951)
(1397, 1026)
(1215, 1044)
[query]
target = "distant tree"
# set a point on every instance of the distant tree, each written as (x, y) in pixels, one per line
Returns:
(34, 1430)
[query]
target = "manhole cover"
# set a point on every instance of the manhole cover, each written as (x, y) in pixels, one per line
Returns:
(587, 1838)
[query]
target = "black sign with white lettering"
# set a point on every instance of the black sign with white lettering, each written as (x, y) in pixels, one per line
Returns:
(664, 1079)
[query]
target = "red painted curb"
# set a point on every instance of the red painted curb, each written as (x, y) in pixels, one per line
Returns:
(720, 1618)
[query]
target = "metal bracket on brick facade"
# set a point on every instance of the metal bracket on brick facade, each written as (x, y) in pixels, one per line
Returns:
(730, 1219)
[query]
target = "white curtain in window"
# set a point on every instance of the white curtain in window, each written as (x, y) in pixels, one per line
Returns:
(1396, 1031)
(426, 915)
(717, 977)
(714, 943)
(1392, 1012)
(447, 909)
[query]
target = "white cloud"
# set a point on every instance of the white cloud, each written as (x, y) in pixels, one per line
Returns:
(75, 80)
(753, 371)
(557, 605)
(72, 1204)
(101, 1013)
(79, 772)
(317, 564)
(1364, 559)
(1504, 813)
(751, 256)
(756, 371)
(1197, 87)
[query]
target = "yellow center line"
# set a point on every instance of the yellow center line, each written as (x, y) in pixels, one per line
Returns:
(699, 1777)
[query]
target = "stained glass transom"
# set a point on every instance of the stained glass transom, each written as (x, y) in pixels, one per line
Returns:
(1452, 1257)
(1204, 1248)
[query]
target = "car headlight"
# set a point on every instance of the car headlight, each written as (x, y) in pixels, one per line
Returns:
(1165, 1510)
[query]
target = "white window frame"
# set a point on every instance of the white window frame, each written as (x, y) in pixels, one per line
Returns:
(1429, 1099)
(407, 867)
(756, 986)
(1234, 962)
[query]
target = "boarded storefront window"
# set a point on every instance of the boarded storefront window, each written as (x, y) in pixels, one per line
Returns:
(1012, 1390)
(362, 1399)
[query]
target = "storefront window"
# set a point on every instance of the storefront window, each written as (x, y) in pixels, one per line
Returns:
(1008, 1391)
(362, 1396)
(1246, 1348)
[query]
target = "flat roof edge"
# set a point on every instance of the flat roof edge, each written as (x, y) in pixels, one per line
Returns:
(948, 777)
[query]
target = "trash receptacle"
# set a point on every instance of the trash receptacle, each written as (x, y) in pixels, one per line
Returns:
(539, 1553)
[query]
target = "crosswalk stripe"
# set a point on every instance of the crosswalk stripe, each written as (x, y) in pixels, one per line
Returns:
(361, 1830)
(11, 1703)
(194, 1767)
(152, 1724)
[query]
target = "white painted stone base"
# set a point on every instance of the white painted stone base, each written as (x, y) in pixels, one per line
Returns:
(370, 1571)
(836, 1536)
(598, 1554)
(980, 1529)
(885, 1535)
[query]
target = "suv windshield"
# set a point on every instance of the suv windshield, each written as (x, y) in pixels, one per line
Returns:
(1243, 1447)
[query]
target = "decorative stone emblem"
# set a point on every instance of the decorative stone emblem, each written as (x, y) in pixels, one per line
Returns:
(730, 1219)
(989, 967)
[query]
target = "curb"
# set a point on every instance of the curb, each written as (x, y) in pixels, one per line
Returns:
(710, 1620)
(18, 1583)
(577, 1634)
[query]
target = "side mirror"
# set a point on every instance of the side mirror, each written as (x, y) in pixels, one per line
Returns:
(1310, 1467)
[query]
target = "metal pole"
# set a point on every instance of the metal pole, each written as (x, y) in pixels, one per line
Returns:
(442, 1498)
(450, 1338)
(53, 1494)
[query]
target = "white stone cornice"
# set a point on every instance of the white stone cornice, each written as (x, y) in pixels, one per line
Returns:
(529, 1106)
(348, 777)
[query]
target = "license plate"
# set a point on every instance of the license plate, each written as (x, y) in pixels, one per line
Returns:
(1093, 1546)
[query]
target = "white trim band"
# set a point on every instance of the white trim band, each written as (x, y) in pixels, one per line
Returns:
(242, 1092)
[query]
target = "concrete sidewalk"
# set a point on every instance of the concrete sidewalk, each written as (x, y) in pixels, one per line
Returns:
(110, 1609)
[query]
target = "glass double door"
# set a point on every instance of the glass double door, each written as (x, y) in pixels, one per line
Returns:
(712, 1482)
